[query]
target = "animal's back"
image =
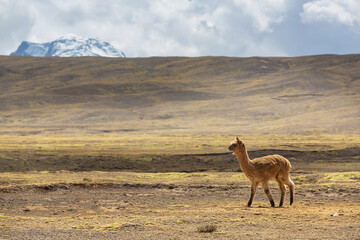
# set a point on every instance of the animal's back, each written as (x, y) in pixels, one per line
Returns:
(271, 165)
(271, 160)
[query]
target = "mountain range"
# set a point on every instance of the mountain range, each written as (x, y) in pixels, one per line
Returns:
(68, 46)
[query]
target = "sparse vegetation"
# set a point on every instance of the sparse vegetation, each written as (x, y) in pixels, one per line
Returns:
(208, 228)
(162, 204)
(176, 205)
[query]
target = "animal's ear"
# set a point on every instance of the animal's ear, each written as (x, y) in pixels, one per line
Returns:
(240, 142)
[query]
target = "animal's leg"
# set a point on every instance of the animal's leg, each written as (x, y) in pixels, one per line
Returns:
(253, 190)
(291, 186)
(265, 186)
(282, 190)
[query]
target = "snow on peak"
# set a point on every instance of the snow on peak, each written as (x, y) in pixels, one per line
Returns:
(68, 45)
(71, 36)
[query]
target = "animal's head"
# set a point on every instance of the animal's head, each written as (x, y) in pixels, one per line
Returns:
(237, 145)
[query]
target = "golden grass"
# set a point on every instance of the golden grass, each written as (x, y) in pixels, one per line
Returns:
(341, 177)
(221, 179)
(170, 144)
(66, 177)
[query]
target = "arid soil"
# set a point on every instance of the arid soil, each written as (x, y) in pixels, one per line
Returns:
(160, 211)
(300, 160)
(175, 197)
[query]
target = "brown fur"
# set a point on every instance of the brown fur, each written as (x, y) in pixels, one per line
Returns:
(261, 170)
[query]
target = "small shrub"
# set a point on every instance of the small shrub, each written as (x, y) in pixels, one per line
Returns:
(207, 228)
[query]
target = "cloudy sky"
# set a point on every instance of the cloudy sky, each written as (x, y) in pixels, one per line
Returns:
(143, 28)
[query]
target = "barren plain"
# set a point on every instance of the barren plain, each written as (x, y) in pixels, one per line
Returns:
(101, 148)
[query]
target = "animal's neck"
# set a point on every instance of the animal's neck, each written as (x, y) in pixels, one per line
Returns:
(243, 159)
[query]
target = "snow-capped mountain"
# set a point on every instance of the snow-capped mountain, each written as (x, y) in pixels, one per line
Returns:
(68, 46)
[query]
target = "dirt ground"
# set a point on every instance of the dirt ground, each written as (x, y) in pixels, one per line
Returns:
(53, 194)
(15, 161)
(327, 206)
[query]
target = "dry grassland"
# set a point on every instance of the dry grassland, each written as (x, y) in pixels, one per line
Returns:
(153, 204)
(137, 148)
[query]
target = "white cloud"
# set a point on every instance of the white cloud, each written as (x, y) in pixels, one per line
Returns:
(264, 13)
(15, 23)
(146, 28)
(345, 12)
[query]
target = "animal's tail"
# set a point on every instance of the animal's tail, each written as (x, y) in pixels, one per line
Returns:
(291, 186)
(288, 181)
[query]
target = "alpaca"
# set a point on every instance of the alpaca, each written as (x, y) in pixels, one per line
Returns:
(261, 170)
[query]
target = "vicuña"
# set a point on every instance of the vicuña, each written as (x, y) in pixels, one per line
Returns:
(261, 170)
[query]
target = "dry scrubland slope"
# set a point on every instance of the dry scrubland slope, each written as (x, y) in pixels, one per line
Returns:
(180, 95)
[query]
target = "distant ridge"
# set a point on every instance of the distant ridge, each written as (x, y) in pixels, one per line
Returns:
(68, 46)
(180, 95)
